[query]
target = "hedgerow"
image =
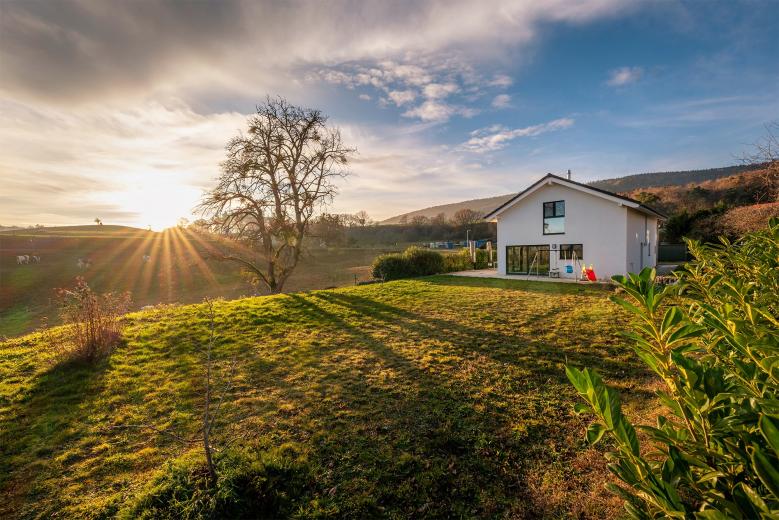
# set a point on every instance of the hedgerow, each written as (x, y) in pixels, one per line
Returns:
(713, 340)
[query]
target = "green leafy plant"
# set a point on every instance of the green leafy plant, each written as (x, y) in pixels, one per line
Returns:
(713, 340)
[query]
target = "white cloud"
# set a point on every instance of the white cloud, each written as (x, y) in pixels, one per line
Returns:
(501, 80)
(438, 112)
(501, 101)
(439, 90)
(364, 97)
(402, 97)
(431, 111)
(142, 165)
(624, 76)
(88, 89)
(497, 137)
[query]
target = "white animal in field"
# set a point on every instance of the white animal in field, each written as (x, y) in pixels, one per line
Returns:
(36, 259)
(22, 259)
(84, 263)
(146, 258)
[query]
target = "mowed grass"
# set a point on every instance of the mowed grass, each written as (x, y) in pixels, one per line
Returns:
(177, 272)
(435, 397)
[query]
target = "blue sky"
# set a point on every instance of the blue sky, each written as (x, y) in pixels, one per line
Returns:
(122, 112)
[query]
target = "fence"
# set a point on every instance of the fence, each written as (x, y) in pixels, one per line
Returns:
(672, 253)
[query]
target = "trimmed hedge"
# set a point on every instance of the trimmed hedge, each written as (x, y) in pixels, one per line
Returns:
(392, 266)
(424, 262)
(416, 261)
(459, 261)
(482, 259)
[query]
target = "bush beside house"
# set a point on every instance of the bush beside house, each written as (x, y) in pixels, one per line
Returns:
(416, 261)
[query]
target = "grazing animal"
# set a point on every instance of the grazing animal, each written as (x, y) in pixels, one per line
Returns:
(23, 259)
(146, 258)
(84, 263)
(36, 259)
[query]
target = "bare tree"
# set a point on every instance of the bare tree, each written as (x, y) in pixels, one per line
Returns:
(766, 152)
(465, 217)
(213, 399)
(361, 218)
(212, 408)
(272, 181)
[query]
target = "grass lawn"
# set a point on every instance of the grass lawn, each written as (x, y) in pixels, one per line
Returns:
(436, 397)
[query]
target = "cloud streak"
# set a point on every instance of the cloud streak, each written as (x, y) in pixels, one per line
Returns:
(497, 137)
(624, 76)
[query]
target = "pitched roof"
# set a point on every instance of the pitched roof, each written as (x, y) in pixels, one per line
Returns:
(632, 203)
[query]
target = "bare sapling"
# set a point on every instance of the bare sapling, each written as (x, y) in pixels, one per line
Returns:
(93, 321)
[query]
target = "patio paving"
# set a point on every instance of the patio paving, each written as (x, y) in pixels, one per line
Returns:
(493, 273)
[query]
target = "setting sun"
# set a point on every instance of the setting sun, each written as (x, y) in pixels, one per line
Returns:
(155, 200)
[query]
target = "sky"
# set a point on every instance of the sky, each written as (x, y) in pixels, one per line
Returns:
(121, 110)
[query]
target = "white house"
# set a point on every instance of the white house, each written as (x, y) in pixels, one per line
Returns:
(556, 226)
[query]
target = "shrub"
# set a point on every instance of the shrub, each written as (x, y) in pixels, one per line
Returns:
(93, 325)
(459, 261)
(252, 484)
(424, 262)
(391, 267)
(482, 259)
(414, 261)
(712, 339)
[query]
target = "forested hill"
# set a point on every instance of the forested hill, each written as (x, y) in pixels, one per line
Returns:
(625, 184)
(680, 178)
(482, 206)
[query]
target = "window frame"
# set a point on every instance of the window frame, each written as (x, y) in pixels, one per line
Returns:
(554, 215)
(535, 248)
(561, 246)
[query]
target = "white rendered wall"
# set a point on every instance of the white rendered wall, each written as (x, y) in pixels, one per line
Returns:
(641, 237)
(596, 223)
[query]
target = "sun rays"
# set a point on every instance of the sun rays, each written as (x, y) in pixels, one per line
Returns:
(156, 267)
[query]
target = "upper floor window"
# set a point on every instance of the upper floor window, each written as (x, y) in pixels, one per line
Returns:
(554, 217)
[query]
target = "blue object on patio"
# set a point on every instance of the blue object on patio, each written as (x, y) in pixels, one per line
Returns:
(569, 269)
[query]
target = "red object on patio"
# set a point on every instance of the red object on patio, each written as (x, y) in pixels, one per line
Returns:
(591, 274)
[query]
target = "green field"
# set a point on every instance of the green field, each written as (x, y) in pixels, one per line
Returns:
(176, 273)
(437, 397)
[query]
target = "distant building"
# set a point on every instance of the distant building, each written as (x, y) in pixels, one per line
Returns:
(556, 226)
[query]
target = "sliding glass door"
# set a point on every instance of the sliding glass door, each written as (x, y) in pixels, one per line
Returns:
(527, 260)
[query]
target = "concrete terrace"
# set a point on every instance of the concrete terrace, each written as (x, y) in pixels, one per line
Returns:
(493, 273)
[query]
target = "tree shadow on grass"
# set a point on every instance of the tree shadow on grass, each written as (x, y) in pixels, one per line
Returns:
(518, 349)
(544, 287)
(424, 441)
(414, 444)
(41, 422)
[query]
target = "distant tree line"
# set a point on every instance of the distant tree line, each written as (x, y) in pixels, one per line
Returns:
(727, 206)
(358, 230)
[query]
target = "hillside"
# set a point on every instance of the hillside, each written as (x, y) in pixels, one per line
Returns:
(618, 185)
(480, 205)
(438, 397)
(645, 180)
(175, 272)
(736, 190)
(76, 231)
